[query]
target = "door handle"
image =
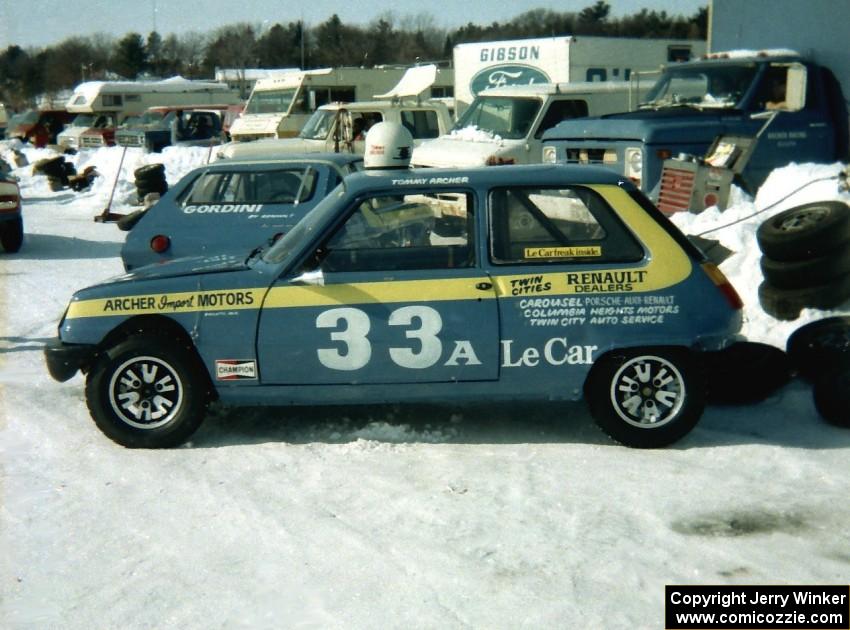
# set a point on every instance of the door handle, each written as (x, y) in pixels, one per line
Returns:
(484, 286)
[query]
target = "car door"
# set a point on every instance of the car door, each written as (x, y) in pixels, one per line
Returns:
(394, 294)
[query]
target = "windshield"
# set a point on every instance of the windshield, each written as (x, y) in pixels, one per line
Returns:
(702, 86)
(270, 102)
(83, 120)
(304, 229)
(26, 118)
(149, 118)
(503, 116)
(318, 126)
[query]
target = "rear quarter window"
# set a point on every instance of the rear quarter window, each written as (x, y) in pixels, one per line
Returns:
(538, 226)
(280, 186)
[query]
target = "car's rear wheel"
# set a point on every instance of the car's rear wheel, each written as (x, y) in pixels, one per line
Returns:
(147, 392)
(647, 397)
(12, 235)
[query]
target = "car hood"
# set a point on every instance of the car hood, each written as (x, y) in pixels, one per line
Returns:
(446, 152)
(190, 266)
(678, 124)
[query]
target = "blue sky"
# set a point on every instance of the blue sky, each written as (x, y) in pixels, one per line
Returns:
(44, 22)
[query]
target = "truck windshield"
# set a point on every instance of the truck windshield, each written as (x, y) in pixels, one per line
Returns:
(318, 126)
(150, 118)
(270, 102)
(702, 86)
(83, 120)
(502, 116)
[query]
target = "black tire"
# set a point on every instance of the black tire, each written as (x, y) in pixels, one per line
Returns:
(745, 373)
(626, 387)
(806, 273)
(786, 304)
(831, 393)
(12, 235)
(150, 171)
(163, 377)
(156, 178)
(52, 167)
(803, 231)
(819, 347)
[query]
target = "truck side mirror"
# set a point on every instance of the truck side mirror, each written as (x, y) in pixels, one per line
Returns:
(795, 92)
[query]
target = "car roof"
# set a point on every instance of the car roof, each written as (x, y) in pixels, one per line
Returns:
(336, 159)
(487, 176)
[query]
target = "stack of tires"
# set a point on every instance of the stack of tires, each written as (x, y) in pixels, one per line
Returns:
(820, 351)
(57, 170)
(150, 179)
(806, 259)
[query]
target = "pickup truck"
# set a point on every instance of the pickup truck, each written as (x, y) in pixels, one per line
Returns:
(342, 127)
(794, 106)
(504, 125)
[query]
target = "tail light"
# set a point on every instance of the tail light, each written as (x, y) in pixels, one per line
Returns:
(160, 243)
(722, 282)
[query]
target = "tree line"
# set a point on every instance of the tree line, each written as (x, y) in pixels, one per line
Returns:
(28, 73)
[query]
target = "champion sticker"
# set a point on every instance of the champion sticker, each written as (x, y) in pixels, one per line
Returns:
(235, 369)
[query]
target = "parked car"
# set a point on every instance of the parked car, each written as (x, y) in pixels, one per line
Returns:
(38, 127)
(11, 220)
(231, 206)
(521, 282)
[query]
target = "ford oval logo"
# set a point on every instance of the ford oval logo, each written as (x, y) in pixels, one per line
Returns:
(508, 74)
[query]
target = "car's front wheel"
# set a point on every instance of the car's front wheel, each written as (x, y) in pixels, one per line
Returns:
(648, 397)
(147, 392)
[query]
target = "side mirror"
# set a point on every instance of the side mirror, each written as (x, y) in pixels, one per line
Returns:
(313, 278)
(795, 94)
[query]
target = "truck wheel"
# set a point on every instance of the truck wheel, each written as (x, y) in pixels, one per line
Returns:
(147, 392)
(831, 393)
(12, 235)
(809, 272)
(799, 232)
(646, 397)
(786, 304)
(820, 346)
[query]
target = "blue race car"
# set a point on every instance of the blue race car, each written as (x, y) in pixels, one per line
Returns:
(517, 282)
(232, 205)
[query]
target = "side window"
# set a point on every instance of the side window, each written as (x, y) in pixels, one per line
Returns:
(558, 111)
(362, 122)
(402, 232)
(257, 187)
(557, 225)
(421, 123)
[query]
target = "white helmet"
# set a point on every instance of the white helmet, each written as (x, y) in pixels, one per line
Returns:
(388, 145)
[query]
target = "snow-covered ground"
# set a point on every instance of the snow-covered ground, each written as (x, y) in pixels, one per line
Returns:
(389, 517)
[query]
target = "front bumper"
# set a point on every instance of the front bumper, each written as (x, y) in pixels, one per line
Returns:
(64, 359)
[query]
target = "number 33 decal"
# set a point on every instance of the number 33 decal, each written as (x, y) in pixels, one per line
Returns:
(358, 348)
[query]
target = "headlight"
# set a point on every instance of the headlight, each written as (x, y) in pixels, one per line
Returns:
(634, 164)
(550, 155)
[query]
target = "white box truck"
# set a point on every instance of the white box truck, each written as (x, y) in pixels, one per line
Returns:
(279, 107)
(564, 59)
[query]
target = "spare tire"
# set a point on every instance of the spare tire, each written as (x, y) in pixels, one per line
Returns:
(831, 393)
(149, 171)
(786, 304)
(820, 346)
(800, 274)
(746, 372)
(52, 167)
(803, 231)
